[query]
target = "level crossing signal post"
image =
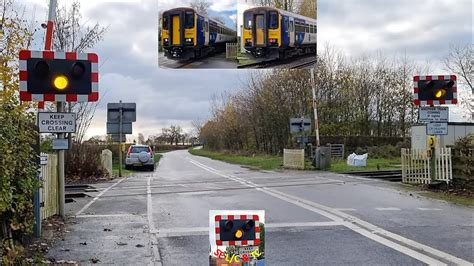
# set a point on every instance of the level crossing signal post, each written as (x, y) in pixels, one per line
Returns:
(432, 91)
(48, 76)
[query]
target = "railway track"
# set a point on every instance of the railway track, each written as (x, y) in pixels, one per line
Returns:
(299, 63)
(387, 175)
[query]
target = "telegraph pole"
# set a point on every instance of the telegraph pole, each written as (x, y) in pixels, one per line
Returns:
(315, 108)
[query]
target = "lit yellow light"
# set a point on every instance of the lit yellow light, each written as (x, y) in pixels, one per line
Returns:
(239, 234)
(61, 82)
(440, 93)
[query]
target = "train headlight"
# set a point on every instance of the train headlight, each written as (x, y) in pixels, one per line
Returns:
(248, 42)
(189, 40)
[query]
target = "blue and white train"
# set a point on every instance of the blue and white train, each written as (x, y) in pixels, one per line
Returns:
(187, 34)
(274, 33)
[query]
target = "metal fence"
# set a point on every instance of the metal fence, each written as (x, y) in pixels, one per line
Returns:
(337, 151)
(49, 190)
(416, 166)
(232, 50)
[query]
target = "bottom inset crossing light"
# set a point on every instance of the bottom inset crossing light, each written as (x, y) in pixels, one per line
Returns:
(239, 234)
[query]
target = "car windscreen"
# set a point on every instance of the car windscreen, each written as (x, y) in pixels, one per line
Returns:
(139, 149)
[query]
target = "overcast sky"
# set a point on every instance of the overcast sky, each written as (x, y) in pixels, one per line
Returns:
(423, 29)
(128, 54)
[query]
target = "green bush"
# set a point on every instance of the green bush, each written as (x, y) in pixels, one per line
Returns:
(18, 175)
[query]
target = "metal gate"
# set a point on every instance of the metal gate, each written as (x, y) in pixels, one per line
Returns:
(231, 50)
(416, 166)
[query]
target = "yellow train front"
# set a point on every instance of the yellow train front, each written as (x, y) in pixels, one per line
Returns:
(186, 34)
(273, 33)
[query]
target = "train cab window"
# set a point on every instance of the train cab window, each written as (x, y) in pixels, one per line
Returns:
(286, 24)
(165, 22)
(273, 20)
(189, 20)
(248, 21)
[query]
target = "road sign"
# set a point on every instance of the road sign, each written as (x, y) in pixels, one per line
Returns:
(116, 138)
(44, 159)
(246, 250)
(299, 125)
(435, 90)
(60, 144)
(434, 114)
(437, 129)
(57, 122)
(58, 76)
(129, 112)
(114, 128)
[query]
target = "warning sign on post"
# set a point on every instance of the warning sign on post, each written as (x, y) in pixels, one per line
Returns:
(57, 122)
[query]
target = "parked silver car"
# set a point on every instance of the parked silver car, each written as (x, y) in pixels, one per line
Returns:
(140, 156)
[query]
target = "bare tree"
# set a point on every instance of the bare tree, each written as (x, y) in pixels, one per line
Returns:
(141, 138)
(201, 6)
(71, 35)
(459, 61)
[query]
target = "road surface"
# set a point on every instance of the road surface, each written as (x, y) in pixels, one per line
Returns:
(312, 218)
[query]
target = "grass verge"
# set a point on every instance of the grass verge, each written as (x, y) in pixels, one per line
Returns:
(340, 166)
(254, 162)
(439, 195)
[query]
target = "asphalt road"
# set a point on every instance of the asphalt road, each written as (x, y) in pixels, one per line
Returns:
(312, 218)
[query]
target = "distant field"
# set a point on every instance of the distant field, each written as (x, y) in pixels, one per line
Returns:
(276, 162)
(257, 162)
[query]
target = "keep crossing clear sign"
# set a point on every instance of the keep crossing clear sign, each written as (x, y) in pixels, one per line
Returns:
(57, 122)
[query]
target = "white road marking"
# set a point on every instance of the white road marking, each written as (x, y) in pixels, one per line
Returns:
(362, 227)
(151, 224)
(388, 209)
(108, 215)
(97, 197)
(345, 209)
(429, 209)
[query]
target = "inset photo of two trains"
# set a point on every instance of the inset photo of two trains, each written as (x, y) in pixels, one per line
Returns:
(220, 34)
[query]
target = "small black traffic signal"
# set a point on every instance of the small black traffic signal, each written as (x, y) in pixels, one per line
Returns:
(435, 90)
(45, 74)
(240, 231)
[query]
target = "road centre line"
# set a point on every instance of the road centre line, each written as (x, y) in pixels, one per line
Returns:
(97, 197)
(108, 215)
(429, 209)
(362, 227)
(388, 209)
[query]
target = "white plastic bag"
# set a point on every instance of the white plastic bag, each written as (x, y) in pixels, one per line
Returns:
(350, 159)
(357, 160)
